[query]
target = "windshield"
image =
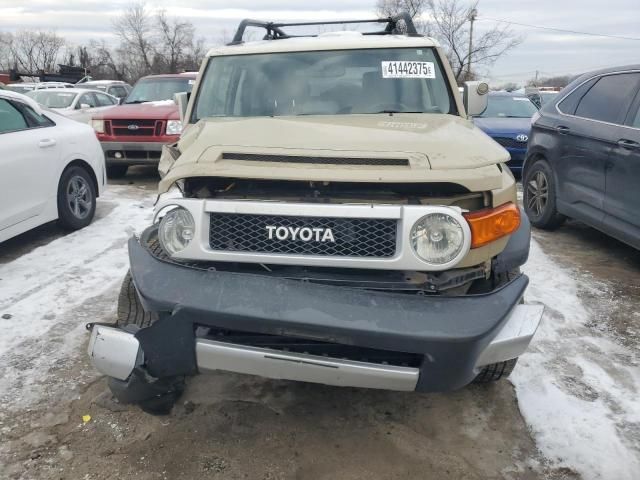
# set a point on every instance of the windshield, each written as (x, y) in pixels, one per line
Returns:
(158, 89)
(546, 97)
(53, 98)
(342, 82)
(505, 106)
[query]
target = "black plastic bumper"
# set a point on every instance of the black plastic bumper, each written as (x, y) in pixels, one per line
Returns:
(449, 331)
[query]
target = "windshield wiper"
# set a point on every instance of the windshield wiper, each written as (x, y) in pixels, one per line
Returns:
(136, 101)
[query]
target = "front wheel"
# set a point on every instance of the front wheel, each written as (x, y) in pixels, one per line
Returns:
(76, 199)
(540, 196)
(496, 371)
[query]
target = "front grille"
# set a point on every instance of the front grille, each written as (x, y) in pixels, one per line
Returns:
(353, 237)
(145, 128)
(316, 160)
(510, 142)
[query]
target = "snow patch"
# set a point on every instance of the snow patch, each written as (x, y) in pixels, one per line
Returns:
(51, 292)
(577, 389)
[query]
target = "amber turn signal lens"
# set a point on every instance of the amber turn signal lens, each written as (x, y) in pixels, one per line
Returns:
(492, 223)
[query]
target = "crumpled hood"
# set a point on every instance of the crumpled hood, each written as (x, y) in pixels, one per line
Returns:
(164, 110)
(435, 146)
(507, 126)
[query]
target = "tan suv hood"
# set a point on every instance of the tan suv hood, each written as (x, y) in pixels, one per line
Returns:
(437, 147)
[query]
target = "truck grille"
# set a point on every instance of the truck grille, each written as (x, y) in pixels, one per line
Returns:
(510, 142)
(353, 237)
(136, 128)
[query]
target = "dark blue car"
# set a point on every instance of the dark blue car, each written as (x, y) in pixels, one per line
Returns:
(507, 120)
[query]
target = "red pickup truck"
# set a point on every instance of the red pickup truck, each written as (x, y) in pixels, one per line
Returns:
(134, 132)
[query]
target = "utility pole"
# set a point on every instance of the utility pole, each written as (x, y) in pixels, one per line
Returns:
(473, 13)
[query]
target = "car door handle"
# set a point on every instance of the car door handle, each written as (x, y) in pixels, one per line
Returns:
(562, 130)
(47, 142)
(628, 144)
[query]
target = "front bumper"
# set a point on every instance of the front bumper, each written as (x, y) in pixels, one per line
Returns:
(453, 336)
(132, 153)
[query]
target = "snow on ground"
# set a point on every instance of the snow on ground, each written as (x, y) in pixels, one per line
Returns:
(44, 290)
(577, 389)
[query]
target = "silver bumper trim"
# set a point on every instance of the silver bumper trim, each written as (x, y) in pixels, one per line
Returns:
(514, 337)
(275, 364)
(115, 353)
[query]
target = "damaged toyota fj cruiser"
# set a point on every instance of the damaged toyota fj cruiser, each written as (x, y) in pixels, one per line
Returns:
(329, 215)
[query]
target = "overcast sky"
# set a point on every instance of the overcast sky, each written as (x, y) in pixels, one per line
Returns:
(549, 52)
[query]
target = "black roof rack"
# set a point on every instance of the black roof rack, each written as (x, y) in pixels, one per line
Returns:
(275, 32)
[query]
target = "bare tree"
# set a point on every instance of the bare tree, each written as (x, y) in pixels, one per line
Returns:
(151, 42)
(31, 52)
(448, 22)
(134, 28)
(107, 63)
(5, 50)
(178, 44)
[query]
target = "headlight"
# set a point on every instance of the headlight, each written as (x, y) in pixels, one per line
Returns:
(437, 238)
(98, 125)
(176, 230)
(174, 127)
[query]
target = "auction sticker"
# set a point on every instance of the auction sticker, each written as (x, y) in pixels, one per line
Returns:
(408, 69)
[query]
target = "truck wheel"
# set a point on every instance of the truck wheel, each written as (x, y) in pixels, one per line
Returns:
(117, 171)
(496, 371)
(540, 196)
(76, 199)
(130, 309)
(155, 396)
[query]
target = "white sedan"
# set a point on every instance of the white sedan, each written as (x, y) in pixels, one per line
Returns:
(50, 168)
(75, 103)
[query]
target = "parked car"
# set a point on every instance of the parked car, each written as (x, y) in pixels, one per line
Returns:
(583, 160)
(507, 120)
(51, 168)
(77, 104)
(134, 132)
(29, 87)
(331, 215)
(116, 88)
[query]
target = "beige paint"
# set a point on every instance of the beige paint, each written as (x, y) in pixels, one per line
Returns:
(439, 147)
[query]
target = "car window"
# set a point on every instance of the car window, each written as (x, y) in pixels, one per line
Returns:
(118, 91)
(105, 100)
(608, 100)
(507, 106)
(571, 101)
(34, 119)
(88, 99)
(635, 122)
(11, 119)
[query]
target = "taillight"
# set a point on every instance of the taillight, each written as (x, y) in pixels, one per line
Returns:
(492, 223)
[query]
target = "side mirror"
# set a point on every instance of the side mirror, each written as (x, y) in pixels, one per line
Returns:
(84, 106)
(475, 97)
(182, 100)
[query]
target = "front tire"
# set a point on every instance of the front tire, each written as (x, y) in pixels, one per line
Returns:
(496, 371)
(155, 396)
(76, 199)
(540, 196)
